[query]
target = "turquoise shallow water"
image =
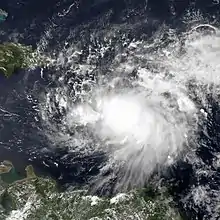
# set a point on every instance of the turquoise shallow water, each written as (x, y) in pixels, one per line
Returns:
(3, 15)
(11, 176)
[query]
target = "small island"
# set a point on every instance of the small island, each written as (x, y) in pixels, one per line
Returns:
(5, 167)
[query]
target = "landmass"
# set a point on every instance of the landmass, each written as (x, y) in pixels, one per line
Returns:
(5, 166)
(14, 56)
(38, 198)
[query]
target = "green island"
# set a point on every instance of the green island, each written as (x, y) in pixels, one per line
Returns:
(14, 56)
(39, 198)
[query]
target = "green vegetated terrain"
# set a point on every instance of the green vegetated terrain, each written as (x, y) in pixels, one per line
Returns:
(14, 57)
(37, 198)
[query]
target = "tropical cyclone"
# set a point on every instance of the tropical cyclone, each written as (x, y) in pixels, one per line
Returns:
(137, 99)
(140, 114)
(139, 127)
